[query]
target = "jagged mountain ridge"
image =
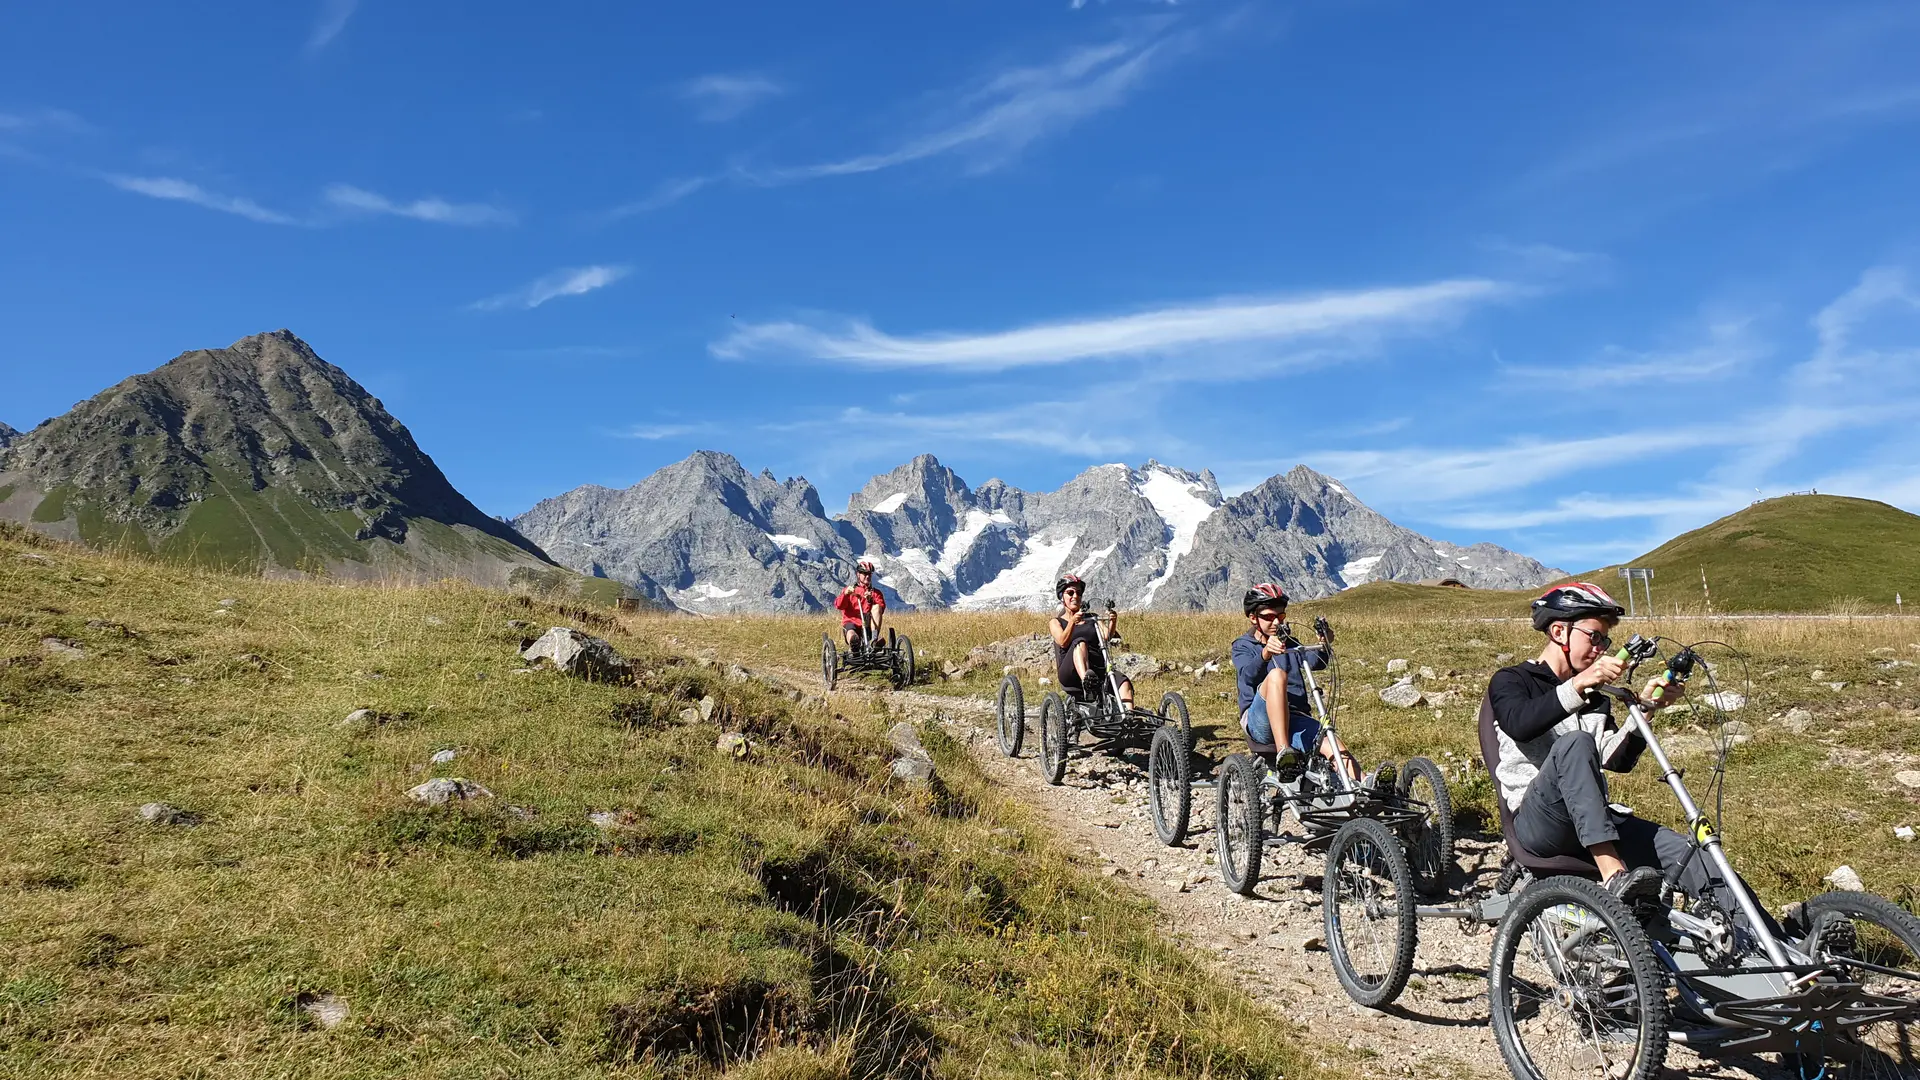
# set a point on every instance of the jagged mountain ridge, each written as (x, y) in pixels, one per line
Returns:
(259, 455)
(705, 535)
(7, 434)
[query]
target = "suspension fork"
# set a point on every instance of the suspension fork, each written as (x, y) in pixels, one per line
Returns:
(1707, 838)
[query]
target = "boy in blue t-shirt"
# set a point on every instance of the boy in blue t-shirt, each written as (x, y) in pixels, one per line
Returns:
(1274, 709)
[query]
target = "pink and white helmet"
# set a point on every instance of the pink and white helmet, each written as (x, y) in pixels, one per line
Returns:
(1572, 602)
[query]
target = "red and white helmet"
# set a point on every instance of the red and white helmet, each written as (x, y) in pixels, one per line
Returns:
(1572, 602)
(1265, 594)
(864, 567)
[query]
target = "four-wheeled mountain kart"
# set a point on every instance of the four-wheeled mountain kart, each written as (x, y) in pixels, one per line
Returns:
(1097, 711)
(1411, 807)
(891, 656)
(1579, 985)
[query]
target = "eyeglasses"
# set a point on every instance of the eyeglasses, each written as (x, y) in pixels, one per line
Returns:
(1269, 616)
(1599, 641)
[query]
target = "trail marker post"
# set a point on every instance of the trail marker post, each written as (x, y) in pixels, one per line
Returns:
(1643, 575)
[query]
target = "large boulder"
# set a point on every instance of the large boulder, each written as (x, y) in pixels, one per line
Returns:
(580, 655)
(1403, 694)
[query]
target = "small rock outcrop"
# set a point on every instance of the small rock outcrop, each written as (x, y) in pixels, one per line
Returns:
(448, 789)
(159, 813)
(914, 765)
(580, 655)
(1845, 878)
(1402, 694)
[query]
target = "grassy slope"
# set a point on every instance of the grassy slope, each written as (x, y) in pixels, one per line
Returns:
(1794, 553)
(1796, 805)
(796, 894)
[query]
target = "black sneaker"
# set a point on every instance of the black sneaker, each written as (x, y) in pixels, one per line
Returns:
(1638, 889)
(1287, 766)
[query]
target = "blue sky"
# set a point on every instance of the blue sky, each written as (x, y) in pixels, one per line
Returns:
(1568, 280)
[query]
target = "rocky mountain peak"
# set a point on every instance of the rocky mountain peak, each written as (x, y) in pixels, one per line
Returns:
(7, 434)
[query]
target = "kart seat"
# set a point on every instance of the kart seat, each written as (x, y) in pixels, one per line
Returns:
(1580, 865)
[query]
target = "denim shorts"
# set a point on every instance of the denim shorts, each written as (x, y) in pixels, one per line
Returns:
(1304, 728)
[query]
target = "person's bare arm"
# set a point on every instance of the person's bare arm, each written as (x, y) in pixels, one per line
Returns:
(1061, 627)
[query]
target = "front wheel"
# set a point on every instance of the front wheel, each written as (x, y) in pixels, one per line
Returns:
(1240, 822)
(1864, 927)
(1053, 737)
(1430, 836)
(1174, 708)
(1169, 785)
(1367, 908)
(902, 661)
(1010, 709)
(829, 660)
(1574, 990)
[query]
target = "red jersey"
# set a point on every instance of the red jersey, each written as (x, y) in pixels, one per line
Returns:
(855, 601)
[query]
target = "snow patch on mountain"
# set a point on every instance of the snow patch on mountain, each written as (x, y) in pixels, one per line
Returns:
(1354, 571)
(1181, 504)
(1087, 564)
(791, 542)
(891, 503)
(1027, 584)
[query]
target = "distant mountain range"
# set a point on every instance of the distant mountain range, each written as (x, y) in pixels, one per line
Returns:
(705, 535)
(263, 455)
(258, 455)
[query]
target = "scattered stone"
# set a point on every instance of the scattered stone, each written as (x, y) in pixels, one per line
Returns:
(524, 813)
(435, 620)
(606, 819)
(1476, 643)
(361, 721)
(707, 705)
(913, 770)
(1836, 687)
(159, 813)
(690, 714)
(1316, 943)
(1177, 884)
(1738, 732)
(441, 757)
(252, 660)
(1137, 666)
(1903, 832)
(1402, 694)
(1725, 700)
(1908, 778)
(1846, 879)
(1818, 675)
(736, 673)
(733, 743)
(1798, 720)
(228, 602)
(1502, 658)
(517, 624)
(326, 1010)
(578, 654)
(29, 556)
(62, 649)
(1396, 666)
(1444, 697)
(1427, 673)
(445, 789)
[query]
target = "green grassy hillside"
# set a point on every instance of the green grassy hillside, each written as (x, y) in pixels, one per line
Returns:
(1794, 553)
(792, 913)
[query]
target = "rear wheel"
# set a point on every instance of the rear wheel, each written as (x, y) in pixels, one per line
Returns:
(1010, 709)
(1240, 822)
(829, 660)
(1169, 784)
(1429, 838)
(1053, 737)
(1574, 991)
(1367, 908)
(1174, 708)
(902, 661)
(1862, 926)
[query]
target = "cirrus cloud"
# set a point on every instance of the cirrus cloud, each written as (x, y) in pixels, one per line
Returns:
(576, 281)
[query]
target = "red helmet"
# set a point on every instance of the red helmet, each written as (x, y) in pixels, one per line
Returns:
(1572, 602)
(1265, 594)
(1060, 587)
(864, 567)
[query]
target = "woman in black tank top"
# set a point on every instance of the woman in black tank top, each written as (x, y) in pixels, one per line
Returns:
(1075, 632)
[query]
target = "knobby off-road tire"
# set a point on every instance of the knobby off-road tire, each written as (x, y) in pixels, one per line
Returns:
(829, 660)
(902, 671)
(1866, 927)
(1429, 840)
(1174, 707)
(1010, 708)
(1053, 737)
(1240, 822)
(1169, 784)
(1367, 908)
(1600, 1009)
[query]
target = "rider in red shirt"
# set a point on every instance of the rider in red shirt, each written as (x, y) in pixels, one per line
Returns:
(860, 606)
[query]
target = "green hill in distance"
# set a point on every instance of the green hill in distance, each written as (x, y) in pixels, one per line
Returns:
(1795, 553)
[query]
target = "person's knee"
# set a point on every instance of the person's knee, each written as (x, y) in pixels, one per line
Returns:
(1576, 746)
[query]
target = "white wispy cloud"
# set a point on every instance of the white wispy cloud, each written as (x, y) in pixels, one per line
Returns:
(991, 122)
(41, 119)
(720, 97)
(1728, 348)
(1883, 309)
(1165, 331)
(167, 187)
(567, 282)
(332, 19)
(1063, 427)
(358, 200)
(664, 431)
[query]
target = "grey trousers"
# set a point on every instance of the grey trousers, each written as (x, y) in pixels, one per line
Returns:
(1565, 812)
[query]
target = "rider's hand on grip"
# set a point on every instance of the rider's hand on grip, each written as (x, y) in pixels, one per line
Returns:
(1603, 671)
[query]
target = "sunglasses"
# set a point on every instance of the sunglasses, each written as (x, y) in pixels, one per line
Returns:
(1269, 616)
(1600, 640)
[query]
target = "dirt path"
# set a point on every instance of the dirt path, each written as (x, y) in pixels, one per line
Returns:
(1269, 944)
